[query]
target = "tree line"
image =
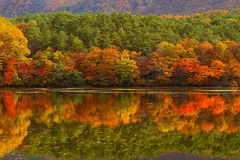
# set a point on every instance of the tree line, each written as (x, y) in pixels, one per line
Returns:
(119, 49)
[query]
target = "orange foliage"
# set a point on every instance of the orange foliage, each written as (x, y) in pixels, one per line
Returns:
(217, 68)
(206, 52)
(9, 103)
(207, 127)
(22, 26)
(69, 63)
(194, 113)
(10, 74)
(187, 109)
(104, 110)
(99, 66)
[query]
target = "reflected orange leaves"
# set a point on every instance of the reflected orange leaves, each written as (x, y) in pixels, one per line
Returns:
(187, 109)
(109, 110)
(188, 113)
(9, 101)
(215, 104)
(13, 123)
(207, 126)
(235, 106)
(194, 113)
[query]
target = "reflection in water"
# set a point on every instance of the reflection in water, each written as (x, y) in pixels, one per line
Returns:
(194, 113)
(13, 122)
(169, 156)
(119, 124)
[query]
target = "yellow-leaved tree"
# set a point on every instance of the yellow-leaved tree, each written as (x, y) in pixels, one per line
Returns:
(13, 45)
(12, 41)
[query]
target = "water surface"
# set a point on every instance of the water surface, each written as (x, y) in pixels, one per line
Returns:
(160, 123)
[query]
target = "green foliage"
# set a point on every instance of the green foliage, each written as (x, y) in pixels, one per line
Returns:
(64, 31)
(63, 78)
(127, 71)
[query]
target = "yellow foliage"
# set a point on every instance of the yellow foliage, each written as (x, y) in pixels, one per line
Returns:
(13, 43)
(13, 130)
(9, 143)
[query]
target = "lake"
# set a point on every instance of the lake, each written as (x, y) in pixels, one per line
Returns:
(115, 123)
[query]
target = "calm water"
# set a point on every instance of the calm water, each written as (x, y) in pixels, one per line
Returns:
(160, 123)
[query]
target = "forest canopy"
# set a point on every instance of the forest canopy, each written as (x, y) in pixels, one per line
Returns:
(122, 49)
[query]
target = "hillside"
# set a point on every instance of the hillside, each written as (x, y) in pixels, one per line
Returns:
(11, 8)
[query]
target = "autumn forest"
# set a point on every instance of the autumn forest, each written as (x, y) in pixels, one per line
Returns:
(120, 49)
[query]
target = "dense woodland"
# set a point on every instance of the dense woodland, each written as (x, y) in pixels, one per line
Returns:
(64, 49)
(13, 8)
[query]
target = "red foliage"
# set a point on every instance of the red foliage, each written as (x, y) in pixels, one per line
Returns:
(9, 103)
(10, 74)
